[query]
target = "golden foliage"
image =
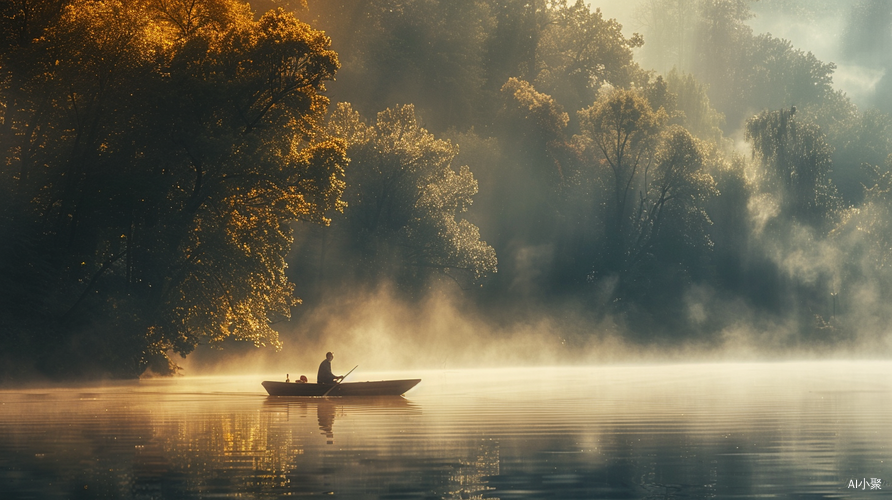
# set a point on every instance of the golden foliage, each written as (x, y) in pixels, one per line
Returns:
(166, 146)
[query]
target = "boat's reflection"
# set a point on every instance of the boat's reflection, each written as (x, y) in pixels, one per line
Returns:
(327, 409)
(276, 403)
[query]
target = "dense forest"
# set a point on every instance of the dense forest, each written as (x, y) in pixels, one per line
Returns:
(196, 172)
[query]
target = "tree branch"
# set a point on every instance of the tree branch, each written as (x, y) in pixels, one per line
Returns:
(111, 260)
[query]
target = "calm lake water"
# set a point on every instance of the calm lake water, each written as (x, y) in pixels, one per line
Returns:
(775, 430)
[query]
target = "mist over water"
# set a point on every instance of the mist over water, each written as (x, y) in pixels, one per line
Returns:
(380, 332)
(679, 430)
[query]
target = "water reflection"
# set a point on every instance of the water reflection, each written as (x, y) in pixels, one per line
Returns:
(327, 408)
(326, 413)
(619, 432)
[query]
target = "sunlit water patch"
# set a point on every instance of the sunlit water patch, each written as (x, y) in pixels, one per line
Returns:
(783, 430)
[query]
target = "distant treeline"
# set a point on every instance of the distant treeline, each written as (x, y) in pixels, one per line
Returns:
(180, 172)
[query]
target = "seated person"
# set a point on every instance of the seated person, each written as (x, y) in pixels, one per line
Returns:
(324, 375)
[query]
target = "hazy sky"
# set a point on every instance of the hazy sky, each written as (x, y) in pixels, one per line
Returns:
(818, 30)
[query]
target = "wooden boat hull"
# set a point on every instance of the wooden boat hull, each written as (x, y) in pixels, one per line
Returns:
(378, 388)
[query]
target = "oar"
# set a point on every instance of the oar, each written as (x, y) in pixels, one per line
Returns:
(339, 381)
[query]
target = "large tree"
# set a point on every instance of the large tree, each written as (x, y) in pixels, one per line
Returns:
(672, 203)
(635, 191)
(579, 51)
(157, 152)
(621, 132)
(796, 163)
(405, 200)
(426, 52)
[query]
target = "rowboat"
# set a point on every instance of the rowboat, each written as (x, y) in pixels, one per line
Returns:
(378, 388)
